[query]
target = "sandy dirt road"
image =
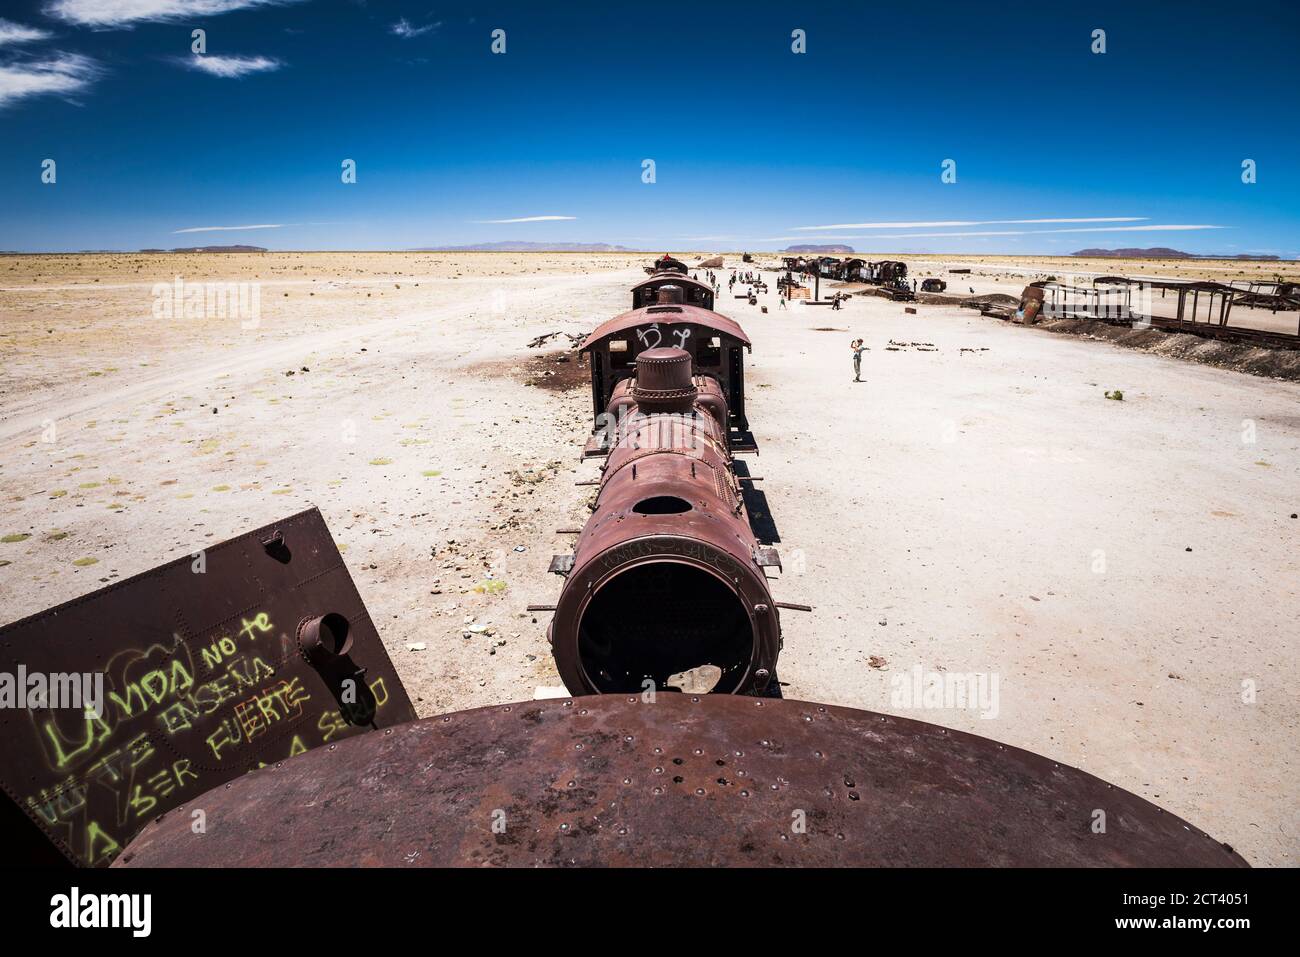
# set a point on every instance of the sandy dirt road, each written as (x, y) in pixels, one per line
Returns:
(975, 506)
(1128, 569)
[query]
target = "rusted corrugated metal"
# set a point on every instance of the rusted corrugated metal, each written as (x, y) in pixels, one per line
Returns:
(683, 781)
(258, 649)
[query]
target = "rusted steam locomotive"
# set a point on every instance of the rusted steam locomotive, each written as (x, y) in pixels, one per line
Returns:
(668, 576)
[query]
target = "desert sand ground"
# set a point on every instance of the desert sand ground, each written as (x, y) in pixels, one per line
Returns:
(1126, 568)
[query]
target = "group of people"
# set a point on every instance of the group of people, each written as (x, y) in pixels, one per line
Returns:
(857, 345)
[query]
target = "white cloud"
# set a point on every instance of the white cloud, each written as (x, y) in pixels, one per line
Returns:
(118, 13)
(524, 219)
(58, 73)
(223, 229)
(11, 32)
(231, 66)
(974, 222)
(404, 29)
(1148, 228)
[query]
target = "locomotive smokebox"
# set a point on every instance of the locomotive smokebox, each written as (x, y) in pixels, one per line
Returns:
(666, 577)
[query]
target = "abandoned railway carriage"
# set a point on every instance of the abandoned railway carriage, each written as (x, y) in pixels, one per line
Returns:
(694, 292)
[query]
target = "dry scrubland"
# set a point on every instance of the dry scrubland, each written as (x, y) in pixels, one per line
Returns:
(976, 505)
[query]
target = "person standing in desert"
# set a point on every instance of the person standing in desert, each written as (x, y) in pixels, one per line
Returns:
(858, 348)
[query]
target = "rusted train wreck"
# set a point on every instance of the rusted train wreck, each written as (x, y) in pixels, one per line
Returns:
(1201, 308)
(668, 576)
(260, 692)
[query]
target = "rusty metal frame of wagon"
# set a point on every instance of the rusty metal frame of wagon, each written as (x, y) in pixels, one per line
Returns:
(1111, 299)
(614, 345)
(213, 665)
(683, 781)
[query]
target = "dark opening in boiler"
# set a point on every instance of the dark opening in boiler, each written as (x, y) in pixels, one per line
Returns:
(661, 619)
(662, 505)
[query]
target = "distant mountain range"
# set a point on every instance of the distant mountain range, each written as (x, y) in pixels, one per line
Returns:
(1159, 252)
(827, 250)
(519, 246)
(209, 249)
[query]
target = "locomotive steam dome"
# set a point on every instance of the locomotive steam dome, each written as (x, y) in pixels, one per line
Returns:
(663, 381)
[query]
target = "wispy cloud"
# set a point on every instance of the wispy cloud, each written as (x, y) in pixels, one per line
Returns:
(125, 13)
(1146, 228)
(403, 28)
(225, 229)
(57, 73)
(11, 32)
(524, 219)
(230, 66)
(975, 222)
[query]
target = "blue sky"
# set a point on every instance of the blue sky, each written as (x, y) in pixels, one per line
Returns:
(753, 144)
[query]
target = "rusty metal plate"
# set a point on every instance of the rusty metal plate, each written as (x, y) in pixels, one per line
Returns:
(207, 675)
(701, 781)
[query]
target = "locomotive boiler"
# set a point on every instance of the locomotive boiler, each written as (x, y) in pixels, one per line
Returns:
(667, 577)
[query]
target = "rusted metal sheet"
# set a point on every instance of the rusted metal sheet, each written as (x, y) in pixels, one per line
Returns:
(671, 316)
(257, 649)
(683, 781)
